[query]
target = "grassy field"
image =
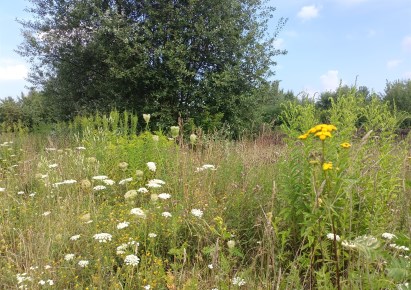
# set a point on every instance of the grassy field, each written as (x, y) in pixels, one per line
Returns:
(93, 206)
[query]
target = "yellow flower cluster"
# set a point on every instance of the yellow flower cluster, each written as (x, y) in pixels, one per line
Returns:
(327, 166)
(321, 131)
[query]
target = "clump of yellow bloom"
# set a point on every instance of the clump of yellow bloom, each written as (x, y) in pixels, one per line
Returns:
(327, 166)
(321, 131)
(345, 145)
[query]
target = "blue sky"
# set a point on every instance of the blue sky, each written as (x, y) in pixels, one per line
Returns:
(328, 41)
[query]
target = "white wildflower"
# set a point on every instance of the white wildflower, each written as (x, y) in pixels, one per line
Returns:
(109, 181)
(388, 236)
(124, 181)
(103, 237)
(123, 225)
(99, 187)
(100, 177)
(166, 214)
(54, 165)
(138, 212)
(210, 266)
(197, 212)
(74, 238)
(46, 213)
(151, 166)
(83, 263)
(69, 257)
(330, 236)
(131, 260)
(152, 235)
(238, 281)
(142, 190)
(164, 195)
(130, 194)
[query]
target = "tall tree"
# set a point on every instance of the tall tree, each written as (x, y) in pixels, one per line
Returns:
(166, 57)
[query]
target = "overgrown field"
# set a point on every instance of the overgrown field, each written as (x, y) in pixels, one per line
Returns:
(92, 205)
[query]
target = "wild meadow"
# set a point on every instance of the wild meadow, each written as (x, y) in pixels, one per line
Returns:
(99, 203)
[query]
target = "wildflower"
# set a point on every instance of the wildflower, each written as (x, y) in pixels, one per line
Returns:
(193, 139)
(102, 237)
(2, 189)
(175, 130)
(131, 194)
(139, 174)
(151, 166)
(388, 236)
(138, 212)
(345, 145)
(83, 263)
(47, 267)
(69, 181)
(152, 235)
(154, 197)
(69, 257)
(164, 195)
(238, 281)
(231, 244)
(51, 282)
(197, 212)
(124, 181)
(99, 177)
(210, 266)
(303, 136)
(142, 190)
(166, 214)
(323, 135)
(348, 244)
(99, 187)
(109, 181)
(74, 238)
(156, 138)
(331, 237)
(153, 184)
(54, 165)
(146, 118)
(123, 165)
(85, 183)
(205, 167)
(81, 148)
(327, 166)
(85, 217)
(46, 213)
(123, 225)
(147, 287)
(42, 282)
(131, 260)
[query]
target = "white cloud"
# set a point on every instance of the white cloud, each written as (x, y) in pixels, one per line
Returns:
(393, 63)
(406, 43)
(351, 2)
(330, 80)
(11, 70)
(308, 12)
(407, 75)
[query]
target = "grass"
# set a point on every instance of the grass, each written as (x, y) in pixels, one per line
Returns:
(265, 215)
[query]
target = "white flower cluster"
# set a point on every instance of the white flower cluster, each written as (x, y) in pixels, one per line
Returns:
(131, 260)
(238, 281)
(197, 212)
(206, 167)
(388, 236)
(138, 212)
(123, 247)
(122, 225)
(330, 236)
(103, 237)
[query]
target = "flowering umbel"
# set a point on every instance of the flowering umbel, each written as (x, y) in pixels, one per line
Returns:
(321, 131)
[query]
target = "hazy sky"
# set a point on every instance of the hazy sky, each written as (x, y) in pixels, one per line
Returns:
(328, 41)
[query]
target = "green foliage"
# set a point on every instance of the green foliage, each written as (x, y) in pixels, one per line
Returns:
(398, 96)
(169, 59)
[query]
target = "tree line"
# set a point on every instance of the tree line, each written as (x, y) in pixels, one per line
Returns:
(32, 110)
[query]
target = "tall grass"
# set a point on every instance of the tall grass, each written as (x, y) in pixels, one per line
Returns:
(80, 209)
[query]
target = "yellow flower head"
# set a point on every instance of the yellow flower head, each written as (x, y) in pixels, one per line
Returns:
(323, 134)
(345, 145)
(303, 137)
(327, 166)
